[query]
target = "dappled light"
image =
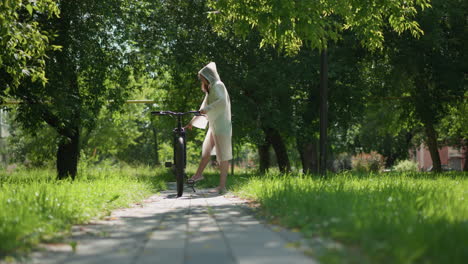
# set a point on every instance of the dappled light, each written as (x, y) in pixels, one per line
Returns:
(233, 131)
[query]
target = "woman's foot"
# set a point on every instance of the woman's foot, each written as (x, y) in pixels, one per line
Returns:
(194, 179)
(218, 190)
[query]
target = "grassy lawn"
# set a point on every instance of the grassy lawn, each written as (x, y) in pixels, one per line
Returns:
(35, 207)
(380, 218)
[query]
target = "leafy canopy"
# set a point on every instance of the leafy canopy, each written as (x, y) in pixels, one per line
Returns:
(292, 24)
(23, 41)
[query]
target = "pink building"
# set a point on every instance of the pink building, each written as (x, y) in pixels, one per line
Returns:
(450, 157)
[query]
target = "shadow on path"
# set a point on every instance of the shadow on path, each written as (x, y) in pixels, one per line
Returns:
(195, 228)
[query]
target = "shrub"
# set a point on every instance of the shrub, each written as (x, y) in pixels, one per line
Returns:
(368, 162)
(406, 165)
(342, 162)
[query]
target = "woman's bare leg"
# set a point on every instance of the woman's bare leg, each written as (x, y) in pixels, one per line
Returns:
(224, 168)
(205, 159)
(201, 167)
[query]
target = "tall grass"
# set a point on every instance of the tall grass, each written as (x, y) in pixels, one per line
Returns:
(34, 206)
(390, 218)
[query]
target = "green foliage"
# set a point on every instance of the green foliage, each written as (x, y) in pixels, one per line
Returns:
(256, 79)
(119, 136)
(413, 85)
(36, 150)
(292, 24)
(382, 128)
(30, 149)
(35, 207)
(268, 90)
(93, 69)
(24, 42)
(424, 78)
(124, 136)
(453, 128)
(406, 166)
(388, 218)
(433, 78)
(109, 45)
(125, 133)
(176, 42)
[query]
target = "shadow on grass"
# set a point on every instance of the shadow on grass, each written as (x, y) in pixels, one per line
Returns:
(406, 222)
(35, 207)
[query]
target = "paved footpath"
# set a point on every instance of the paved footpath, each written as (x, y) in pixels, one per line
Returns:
(195, 228)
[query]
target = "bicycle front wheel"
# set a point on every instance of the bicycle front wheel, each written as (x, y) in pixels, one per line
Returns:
(180, 165)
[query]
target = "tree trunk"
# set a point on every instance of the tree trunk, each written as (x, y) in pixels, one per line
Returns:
(67, 156)
(465, 166)
(433, 148)
(323, 112)
(390, 160)
(309, 156)
(67, 126)
(264, 157)
(274, 137)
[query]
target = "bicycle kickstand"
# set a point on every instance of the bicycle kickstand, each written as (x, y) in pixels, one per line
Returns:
(192, 186)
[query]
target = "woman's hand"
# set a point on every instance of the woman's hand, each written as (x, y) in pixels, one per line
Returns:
(188, 126)
(203, 112)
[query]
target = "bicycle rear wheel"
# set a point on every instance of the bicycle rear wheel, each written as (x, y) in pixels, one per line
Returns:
(180, 165)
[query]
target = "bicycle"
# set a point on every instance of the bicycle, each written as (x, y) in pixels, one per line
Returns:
(180, 148)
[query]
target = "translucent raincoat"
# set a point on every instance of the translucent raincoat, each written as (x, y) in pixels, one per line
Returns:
(218, 116)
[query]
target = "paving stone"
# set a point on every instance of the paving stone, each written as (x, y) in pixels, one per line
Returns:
(197, 228)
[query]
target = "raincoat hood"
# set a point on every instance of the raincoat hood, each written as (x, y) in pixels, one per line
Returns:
(210, 73)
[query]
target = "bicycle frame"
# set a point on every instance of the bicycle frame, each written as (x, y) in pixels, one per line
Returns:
(179, 132)
(180, 148)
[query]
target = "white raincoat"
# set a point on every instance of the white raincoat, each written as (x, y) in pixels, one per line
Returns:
(218, 116)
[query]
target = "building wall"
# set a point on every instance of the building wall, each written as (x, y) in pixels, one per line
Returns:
(451, 157)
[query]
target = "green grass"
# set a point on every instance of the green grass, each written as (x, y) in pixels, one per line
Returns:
(35, 207)
(380, 218)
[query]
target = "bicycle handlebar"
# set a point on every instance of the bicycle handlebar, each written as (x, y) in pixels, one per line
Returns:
(196, 113)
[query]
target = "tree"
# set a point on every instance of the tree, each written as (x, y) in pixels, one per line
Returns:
(32, 150)
(125, 136)
(382, 130)
(453, 129)
(347, 93)
(291, 24)
(129, 135)
(91, 69)
(432, 68)
(256, 78)
(24, 42)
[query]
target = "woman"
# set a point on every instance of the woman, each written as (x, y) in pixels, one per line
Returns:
(216, 108)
